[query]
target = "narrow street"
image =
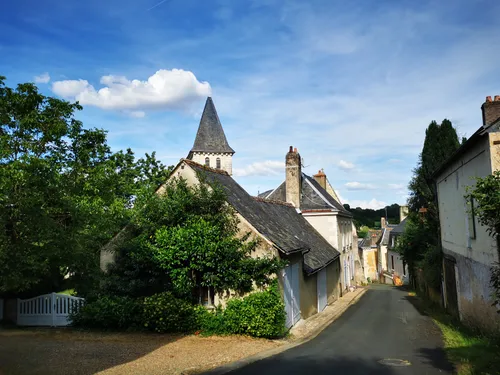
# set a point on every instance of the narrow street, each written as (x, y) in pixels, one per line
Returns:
(382, 325)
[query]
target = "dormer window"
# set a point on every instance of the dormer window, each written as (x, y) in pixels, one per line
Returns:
(207, 161)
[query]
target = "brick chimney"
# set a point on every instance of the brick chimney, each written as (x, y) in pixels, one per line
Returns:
(320, 178)
(403, 213)
(293, 177)
(491, 110)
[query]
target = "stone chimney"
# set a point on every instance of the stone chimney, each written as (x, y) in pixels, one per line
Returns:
(293, 177)
(491, 110)
(383, 224)
(320, 178)
(403, 213)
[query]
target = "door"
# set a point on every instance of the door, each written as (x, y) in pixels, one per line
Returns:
(291, 294)
(450, 284)
(322, 298)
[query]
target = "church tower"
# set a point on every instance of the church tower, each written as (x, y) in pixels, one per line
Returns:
(210, 146)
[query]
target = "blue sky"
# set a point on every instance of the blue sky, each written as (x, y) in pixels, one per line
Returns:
(352, 85)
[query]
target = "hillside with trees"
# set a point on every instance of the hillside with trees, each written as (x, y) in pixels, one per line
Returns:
(371, 218)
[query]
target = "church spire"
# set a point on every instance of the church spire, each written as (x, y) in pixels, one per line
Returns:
(210, 136)
(210, 145)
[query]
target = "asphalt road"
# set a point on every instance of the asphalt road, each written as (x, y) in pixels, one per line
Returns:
(382, 325)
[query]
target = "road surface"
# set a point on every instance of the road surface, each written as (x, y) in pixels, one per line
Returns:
(382, 326)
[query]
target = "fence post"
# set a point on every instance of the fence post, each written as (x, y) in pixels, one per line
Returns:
(18, 312)
(53, 310)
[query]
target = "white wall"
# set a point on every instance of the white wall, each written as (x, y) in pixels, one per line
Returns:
(473, 256)
(453, 216)
(226, 160)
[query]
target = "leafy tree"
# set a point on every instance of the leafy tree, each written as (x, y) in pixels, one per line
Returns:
(63, 193)
(486, 194)
(369, 217)
(184, 239)
(420, 245)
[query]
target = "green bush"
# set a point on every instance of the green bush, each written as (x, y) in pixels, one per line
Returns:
(165, 313)
(108, 312)
(260, 314)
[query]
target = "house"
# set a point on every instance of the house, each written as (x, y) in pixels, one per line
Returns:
(311, 279)
(395, 264)
(382, 243)
(468, 250)
(311, 196)
(368, 254)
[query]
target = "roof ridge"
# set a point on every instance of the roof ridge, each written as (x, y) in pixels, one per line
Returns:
(273, 201)
(209, 169)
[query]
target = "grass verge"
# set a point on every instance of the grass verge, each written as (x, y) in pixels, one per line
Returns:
(471, 352)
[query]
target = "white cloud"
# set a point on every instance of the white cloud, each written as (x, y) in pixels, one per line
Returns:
(265, 168)
(345, 165)
(42, 78)
(359, 186)
(167, 89)
(394, 161)
(374, 204)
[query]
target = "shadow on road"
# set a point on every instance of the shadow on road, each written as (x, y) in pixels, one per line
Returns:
(311, 365)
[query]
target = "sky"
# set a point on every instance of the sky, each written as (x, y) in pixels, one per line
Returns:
(351, 84)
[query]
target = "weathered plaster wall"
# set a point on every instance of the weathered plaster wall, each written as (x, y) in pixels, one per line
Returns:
(382, 258)
(308, 295)
(494, 140)
(370, 263)
(474, 302)
(455, 229)
(332, 281)
(473, 256)
(326, 225)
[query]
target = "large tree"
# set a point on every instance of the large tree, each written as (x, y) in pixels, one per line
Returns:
(63, 193)
(184, 240)
(420, 244)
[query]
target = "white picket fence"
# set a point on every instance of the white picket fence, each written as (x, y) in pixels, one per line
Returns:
(47, 310)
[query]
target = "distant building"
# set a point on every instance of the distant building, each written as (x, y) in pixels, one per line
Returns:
(318, 203)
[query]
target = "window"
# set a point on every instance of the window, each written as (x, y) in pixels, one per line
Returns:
(471, 217)
(207, 296)
(217, 163)
(392, 261)
(207, 161)
(404, 268)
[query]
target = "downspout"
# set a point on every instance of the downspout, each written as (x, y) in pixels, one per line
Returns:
(440, 246)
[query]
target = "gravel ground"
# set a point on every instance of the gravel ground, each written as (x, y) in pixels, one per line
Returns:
(60, 351)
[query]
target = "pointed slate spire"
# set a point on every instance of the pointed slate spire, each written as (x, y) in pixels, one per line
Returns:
(210, 136)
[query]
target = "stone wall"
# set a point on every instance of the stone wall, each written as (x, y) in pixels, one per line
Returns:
(474, 294)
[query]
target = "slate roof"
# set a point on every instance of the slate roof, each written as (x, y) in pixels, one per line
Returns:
(313, 197)
(471, 142)
(364, 242)
(210, 136)
(384, 239)
(265, 194)
(277, 221)
(400, 228)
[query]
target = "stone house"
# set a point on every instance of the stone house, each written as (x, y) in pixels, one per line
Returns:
(469, 251)
(382, 243)
(311, 280)
(315, 199)
(368, 254)
(395, 263)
